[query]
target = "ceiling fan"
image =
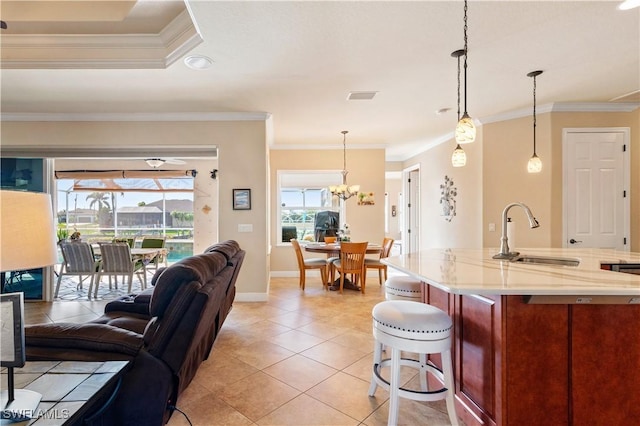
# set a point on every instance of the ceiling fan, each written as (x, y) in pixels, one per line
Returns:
(157, 162)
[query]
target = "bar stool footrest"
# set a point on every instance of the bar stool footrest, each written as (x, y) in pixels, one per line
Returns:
(416, 395)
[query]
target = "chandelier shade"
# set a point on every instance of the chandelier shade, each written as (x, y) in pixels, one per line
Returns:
(344, 191)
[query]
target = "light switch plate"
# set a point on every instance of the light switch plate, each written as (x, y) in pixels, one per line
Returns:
(245, 227)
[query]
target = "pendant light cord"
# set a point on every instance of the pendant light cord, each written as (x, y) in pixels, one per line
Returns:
(458, 88)
(465, 57)
(344, 157)
(534, 115)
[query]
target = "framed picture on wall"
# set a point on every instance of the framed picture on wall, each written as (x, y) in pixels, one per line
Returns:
(242, 199)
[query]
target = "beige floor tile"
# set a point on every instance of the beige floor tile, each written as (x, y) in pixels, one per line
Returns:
(303, 411)
(324, 329)
(258, 395)
(220, 371)
(355, 339)
(296, 341)
(207, 410)
(346, 394)
(300, 372)
(292, 319)
(261, 354)
(334, 355)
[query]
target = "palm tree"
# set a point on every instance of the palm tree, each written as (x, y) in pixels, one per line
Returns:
(98, 199)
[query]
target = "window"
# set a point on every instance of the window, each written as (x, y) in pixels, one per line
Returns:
(301, 195)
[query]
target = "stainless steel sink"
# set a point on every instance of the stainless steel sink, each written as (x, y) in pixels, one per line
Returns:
(545, 260)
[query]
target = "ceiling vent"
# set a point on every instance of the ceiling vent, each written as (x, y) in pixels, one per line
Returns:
(361, 96)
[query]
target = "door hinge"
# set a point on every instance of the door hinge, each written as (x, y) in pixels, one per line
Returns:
(624, 194)
(624, 147)
(408, 231)
(624, 241)
(409, 205)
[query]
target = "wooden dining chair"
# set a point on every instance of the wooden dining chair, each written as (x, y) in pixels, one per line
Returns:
(387, 244)
(351, 262)
(305, 264)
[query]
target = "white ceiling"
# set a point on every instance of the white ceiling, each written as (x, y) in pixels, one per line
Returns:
(298, 61)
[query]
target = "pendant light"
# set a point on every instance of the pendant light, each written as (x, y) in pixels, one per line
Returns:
(459, 157)
(465, 130)
(535, 164)
(344, 191)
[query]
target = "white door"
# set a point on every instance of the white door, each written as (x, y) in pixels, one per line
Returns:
(596, 183)
(411, 232)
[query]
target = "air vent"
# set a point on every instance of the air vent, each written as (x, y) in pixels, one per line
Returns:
(361, 96)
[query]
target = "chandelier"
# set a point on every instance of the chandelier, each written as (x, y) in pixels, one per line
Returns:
(344, 191)
(466, 129)
(535, 164)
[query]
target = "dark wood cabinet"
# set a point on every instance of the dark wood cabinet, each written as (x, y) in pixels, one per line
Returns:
(535, 364)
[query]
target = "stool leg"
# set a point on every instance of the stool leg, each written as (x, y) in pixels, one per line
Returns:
(424, 382)
(447, 370)
(377, 357)
(394, 387)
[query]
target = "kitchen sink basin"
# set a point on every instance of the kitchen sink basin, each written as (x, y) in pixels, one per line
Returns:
(545, 260)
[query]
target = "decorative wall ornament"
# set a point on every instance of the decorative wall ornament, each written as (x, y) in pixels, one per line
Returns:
(366, 199)
(448, 192)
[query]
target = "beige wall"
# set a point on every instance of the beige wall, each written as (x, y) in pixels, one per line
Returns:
(507, 148)
(366, 168)
(242, 163)
(465, 229)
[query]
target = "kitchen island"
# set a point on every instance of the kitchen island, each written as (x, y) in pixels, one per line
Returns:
(538, 344)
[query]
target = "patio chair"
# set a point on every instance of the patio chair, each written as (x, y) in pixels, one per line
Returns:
(117, 261)
(387, 245)
(155, 242)
(78, 260)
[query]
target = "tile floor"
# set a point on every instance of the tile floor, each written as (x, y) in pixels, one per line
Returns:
(302, 358)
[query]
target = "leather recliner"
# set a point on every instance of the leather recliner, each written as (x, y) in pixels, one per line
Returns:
(165, 340)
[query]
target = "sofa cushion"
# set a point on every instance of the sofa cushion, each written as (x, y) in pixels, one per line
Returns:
(228, 248)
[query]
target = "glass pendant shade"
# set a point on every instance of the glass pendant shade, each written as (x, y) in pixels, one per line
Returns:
(534, 165)
(459, 157)
(465, 130)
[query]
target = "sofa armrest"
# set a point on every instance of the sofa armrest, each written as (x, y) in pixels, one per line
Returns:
(105, 341)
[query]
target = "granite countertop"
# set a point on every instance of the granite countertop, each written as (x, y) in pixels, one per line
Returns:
(474, 271)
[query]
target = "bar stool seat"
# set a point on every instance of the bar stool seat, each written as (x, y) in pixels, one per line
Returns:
(403, 287)
(405, 325)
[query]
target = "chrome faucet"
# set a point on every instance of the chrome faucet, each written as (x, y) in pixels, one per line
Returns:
(504, 241)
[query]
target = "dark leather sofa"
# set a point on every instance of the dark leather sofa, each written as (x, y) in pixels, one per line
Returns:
(166, 332)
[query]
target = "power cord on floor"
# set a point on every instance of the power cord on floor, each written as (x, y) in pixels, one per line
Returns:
(174, 408)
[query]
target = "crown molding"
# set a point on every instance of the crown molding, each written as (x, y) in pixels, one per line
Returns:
(564, 107)
(137, 116)
(102, 51)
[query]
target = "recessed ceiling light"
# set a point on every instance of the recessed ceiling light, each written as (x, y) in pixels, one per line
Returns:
(629, 4)
(361, 96)
(198, 62)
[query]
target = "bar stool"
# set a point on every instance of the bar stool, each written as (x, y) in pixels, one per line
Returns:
(416, 327)
(403, 287)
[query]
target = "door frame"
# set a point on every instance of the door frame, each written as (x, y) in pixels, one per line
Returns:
(626, 173)
(414, 198)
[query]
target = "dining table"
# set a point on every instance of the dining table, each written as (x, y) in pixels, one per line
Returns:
(333, 250)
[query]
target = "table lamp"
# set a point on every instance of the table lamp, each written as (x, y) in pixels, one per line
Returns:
(27, 241)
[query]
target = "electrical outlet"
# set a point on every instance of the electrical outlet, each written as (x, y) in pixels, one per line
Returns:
(492, 227)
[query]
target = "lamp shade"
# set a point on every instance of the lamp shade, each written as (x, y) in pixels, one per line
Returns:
(459, 157)
(27, 232)
(465, 130)
(534, 165)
